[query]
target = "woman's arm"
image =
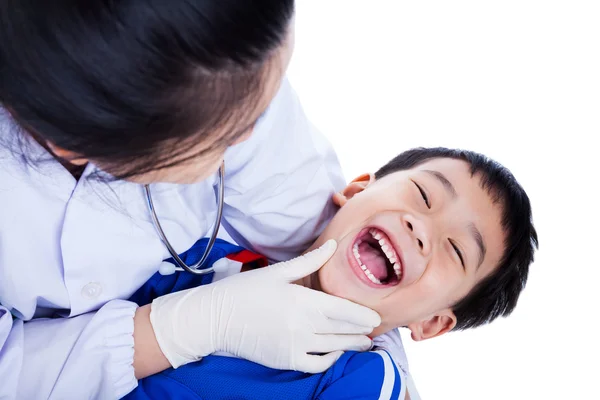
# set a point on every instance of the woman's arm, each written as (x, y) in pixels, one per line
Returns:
(148, 359)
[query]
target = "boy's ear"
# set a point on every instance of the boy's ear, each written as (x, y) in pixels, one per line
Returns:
(440, 323)
(356, 186)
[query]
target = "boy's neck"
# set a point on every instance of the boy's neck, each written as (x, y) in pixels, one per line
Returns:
(311, 282)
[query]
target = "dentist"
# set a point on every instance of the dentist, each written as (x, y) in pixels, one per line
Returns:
(105, 102)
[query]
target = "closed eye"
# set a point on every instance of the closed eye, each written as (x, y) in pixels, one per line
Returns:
(423, 194)
(458, 252)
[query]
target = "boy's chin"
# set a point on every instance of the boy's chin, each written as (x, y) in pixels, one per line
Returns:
(380, 330)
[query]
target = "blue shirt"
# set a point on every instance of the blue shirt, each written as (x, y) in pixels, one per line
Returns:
(368, 375)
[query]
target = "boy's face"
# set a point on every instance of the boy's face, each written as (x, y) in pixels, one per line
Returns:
(423, 218)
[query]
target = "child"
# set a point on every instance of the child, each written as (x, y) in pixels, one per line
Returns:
(436, 240)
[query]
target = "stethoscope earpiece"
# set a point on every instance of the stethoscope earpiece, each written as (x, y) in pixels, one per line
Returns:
(166, 268)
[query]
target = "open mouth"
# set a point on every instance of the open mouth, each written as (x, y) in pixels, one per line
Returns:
(376, 256)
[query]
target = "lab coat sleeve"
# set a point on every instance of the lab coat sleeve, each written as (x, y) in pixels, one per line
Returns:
(91, 355)
(279, 183)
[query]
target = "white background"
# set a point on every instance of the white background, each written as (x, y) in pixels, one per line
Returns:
(518, 81)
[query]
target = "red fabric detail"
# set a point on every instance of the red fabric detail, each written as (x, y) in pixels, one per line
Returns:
(247, 257)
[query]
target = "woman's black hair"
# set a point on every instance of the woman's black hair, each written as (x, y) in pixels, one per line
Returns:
(131, 84)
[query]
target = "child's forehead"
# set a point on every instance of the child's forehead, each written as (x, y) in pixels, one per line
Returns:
(451, 168)
(444, 165)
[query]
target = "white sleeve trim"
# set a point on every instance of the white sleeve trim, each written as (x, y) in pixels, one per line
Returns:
(412, 389)
(389, 379)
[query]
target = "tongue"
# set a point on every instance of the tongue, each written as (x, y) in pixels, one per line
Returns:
(372, 258)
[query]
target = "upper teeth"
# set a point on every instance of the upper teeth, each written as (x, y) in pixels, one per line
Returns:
(387, 250)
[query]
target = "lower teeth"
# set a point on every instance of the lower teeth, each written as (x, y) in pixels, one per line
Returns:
(369, 275)
(365, 270)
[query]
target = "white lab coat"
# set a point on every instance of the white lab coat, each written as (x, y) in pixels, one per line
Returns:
(70, 251)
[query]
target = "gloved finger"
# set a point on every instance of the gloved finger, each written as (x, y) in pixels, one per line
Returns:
(306, 264)
(333, 326)
(340, 309)
(330, 343)
(314, 364)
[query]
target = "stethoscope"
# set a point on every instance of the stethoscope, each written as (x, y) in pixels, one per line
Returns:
(168, 268)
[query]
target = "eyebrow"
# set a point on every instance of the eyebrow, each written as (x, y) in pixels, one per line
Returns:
(444, 181)
(475, 233)
(480, 242)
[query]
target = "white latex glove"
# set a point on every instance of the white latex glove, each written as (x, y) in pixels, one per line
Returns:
(263, 317)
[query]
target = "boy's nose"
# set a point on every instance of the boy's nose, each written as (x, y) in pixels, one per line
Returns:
(420, 233)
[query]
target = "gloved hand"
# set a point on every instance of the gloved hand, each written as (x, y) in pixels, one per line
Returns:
(263, 317)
